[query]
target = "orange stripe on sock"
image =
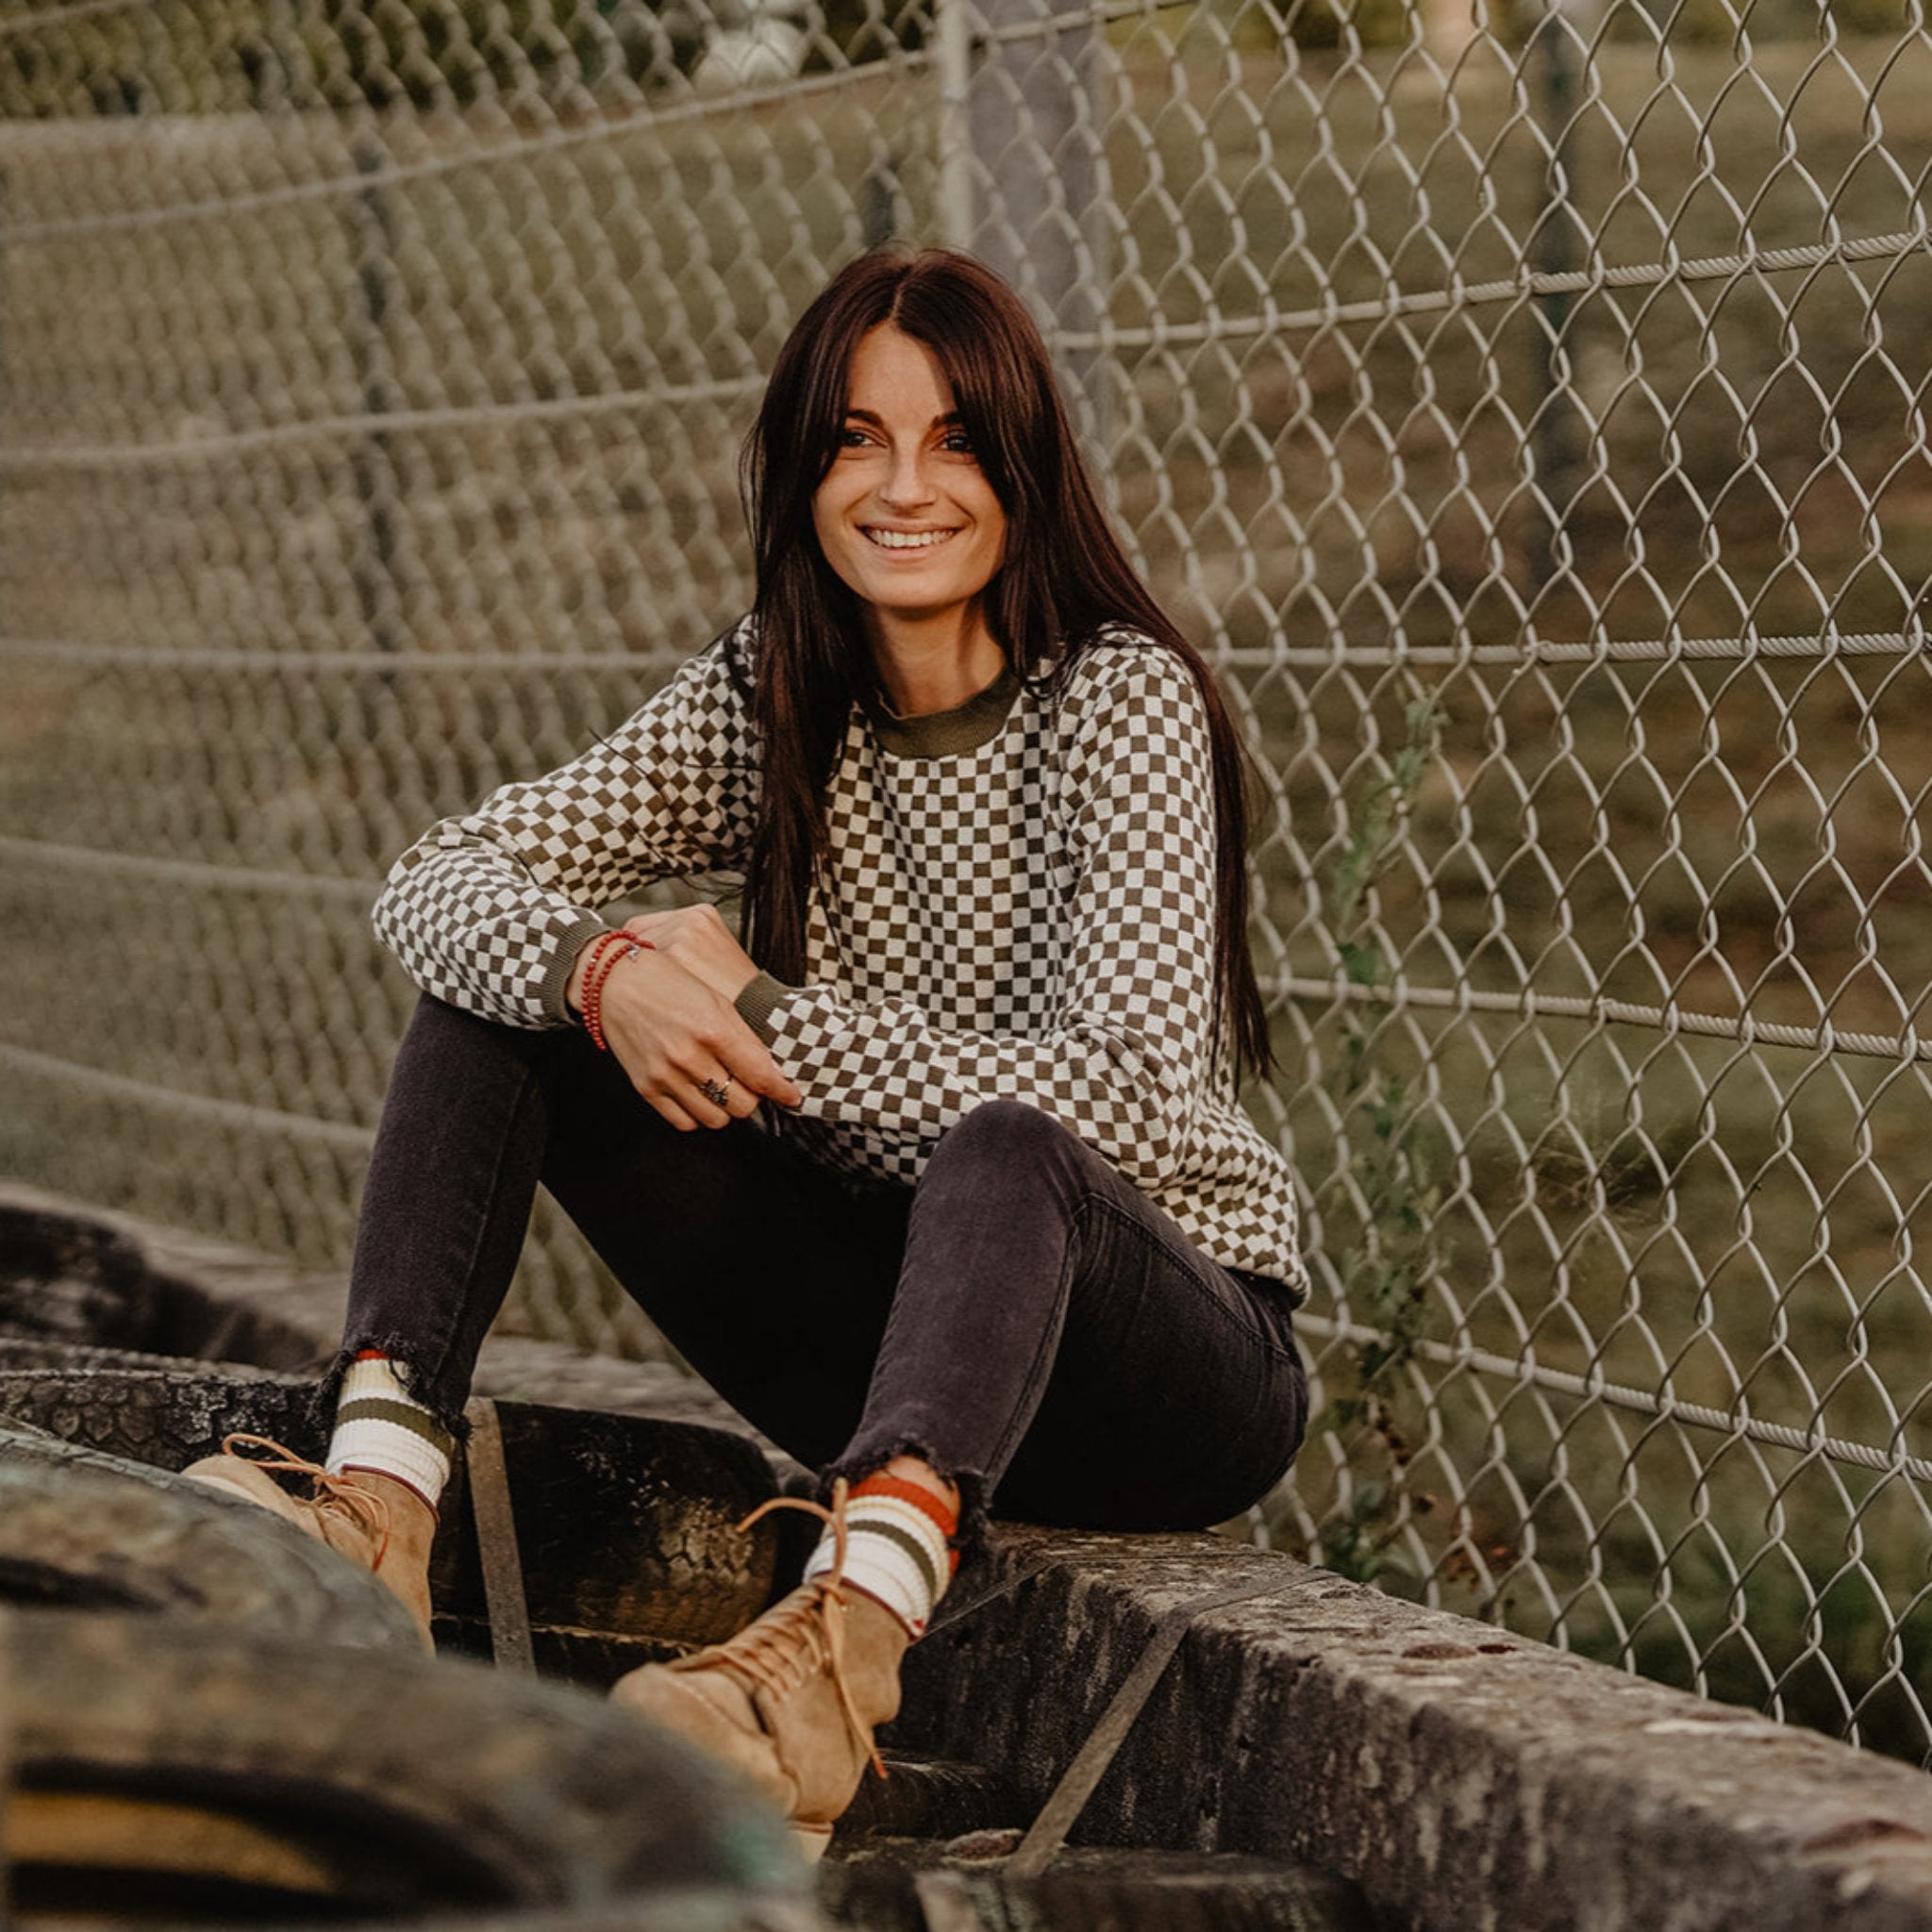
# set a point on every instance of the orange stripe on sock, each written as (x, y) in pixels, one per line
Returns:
(916, 1494)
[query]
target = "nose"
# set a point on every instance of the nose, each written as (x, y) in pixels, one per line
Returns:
(907, 485)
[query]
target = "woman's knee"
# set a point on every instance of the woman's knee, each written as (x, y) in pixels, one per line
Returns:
(1007, 1130)
(1005, 1152)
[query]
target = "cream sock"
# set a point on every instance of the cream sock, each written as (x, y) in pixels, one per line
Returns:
(381, 1426)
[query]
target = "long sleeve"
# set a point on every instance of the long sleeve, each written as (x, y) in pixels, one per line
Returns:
(1106, 883)
(488, 910)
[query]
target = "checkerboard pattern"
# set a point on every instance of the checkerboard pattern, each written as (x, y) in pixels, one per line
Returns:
(1032, 919)
(488, 910)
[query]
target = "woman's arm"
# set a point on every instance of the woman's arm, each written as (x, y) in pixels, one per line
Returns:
(489, 910)
(1125, 1059)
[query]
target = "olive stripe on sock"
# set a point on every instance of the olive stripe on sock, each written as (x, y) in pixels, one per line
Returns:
(404, 1415)
(381, 1426)
(914, 1548)
(894, 1551)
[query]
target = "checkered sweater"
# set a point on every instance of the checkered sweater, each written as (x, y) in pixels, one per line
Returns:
(1029, 917)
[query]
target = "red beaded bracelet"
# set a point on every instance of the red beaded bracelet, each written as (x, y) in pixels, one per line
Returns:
(608, 952)
(600, 971)
(594, 949)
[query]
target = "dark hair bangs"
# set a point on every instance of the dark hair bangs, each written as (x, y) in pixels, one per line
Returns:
(997, 368)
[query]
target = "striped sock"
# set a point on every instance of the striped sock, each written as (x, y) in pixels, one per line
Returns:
(897, 1549)
(381, 1426)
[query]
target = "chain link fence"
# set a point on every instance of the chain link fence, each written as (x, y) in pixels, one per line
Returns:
(1527, 411)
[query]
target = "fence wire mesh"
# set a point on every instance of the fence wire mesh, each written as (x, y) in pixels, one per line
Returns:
(1527, 409)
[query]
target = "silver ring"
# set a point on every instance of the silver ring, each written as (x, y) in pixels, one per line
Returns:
(717, 1091)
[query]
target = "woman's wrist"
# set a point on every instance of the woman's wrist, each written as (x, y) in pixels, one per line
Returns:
(602, 958)
(594, 958)
(574, 983)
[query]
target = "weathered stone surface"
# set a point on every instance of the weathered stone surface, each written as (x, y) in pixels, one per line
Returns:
(1465, 1778)
(914, 1885)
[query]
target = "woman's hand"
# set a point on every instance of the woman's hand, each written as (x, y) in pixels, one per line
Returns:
(698, 939)
(680, 1038)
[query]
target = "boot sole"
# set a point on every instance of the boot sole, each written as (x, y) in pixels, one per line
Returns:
(811, 1841)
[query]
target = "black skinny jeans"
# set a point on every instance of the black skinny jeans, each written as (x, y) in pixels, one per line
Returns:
(1023, 1319)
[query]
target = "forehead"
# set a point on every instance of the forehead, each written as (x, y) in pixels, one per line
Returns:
(892, 374)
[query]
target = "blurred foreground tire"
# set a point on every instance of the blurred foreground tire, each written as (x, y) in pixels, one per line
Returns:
(167, 1771)
(82, 1530)
(627, 1525)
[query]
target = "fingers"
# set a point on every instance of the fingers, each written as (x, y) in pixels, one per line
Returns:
(725, 1096)
(688, 1050)
(721, 1101)
(698, 939)
(703, 916)
(717, 1102)
(673, 1114)
(759, 1077)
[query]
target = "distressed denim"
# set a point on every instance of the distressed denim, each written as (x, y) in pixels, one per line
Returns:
(1024, 1319)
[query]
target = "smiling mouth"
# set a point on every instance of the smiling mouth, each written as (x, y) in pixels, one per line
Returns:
(906, 539)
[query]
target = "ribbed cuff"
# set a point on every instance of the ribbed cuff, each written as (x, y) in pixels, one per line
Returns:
(575, 939)
(755, 1001)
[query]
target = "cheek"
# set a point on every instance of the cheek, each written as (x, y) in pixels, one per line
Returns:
(826, 526)
(995, 526)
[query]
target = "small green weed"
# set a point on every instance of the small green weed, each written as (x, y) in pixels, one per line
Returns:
(1392, 1170)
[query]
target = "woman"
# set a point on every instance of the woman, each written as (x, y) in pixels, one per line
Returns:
(937, 1175)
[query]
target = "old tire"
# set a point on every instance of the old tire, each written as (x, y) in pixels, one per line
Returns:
(166, 1417)
(68, 1275)
(627, 1524)
(172, 1770)
(702, 1909)
(688, 1911)
(913, 1884)
(82, 1530)
(628, 1531)
(39, 1352)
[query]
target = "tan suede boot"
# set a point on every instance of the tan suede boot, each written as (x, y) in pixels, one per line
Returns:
(378, 1523)
(792, 1700)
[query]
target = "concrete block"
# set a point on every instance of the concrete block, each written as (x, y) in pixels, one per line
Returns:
(1464, 1777)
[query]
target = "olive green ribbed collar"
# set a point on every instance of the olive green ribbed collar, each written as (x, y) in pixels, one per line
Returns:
(946, 734)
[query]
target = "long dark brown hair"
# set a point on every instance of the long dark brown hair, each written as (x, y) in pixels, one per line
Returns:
(1063, 580)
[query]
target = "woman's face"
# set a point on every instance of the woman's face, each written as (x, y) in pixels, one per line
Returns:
(904, 514)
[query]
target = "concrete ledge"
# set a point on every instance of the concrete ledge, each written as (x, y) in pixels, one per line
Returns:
(1464, 1777)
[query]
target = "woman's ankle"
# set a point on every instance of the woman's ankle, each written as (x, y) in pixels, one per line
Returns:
(383, 1427)
(913, 1468)
(893, 1542)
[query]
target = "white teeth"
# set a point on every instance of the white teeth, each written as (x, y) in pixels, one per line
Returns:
(908, 539)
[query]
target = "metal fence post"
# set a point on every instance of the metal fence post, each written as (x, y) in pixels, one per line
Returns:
(1034, 126)
(953, 33)
(373, 258)
(1557, 431)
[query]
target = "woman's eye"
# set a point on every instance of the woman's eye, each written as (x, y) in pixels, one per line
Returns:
(956, 443)
(850, 439)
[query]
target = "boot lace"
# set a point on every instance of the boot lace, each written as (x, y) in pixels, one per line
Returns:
(332, 1493)
(803, 1635)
